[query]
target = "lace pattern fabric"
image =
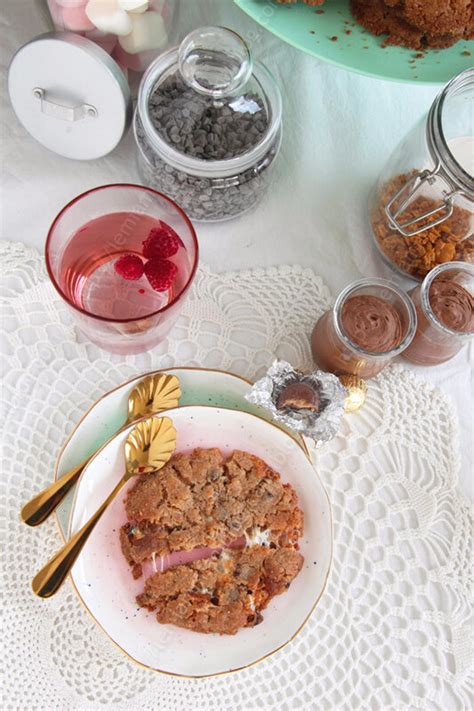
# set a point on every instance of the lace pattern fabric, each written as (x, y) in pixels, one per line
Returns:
(392, 630)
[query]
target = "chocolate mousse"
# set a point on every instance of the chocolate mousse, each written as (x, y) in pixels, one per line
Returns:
(453, 307)
(372, 323)
(368, 322)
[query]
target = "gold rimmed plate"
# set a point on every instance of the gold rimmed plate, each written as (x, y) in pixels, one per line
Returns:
(199, 386)
(102, 577)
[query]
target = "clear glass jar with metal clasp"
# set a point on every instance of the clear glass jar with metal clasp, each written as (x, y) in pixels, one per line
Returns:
(421, 211)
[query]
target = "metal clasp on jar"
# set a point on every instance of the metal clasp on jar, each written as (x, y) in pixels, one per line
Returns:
(407, 192)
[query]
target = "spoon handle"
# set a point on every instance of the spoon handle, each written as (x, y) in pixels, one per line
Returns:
(50, 578)
(38, 508)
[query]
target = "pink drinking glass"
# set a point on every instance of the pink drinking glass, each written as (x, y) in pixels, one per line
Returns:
(84, 243)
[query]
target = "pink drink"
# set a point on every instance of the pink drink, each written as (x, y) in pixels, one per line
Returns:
(88, 276)
(117, 314)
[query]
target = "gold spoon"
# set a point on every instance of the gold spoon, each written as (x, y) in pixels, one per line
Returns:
(147, 449)
(153, 394)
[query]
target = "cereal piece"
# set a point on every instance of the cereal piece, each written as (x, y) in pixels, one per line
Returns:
(418, 254)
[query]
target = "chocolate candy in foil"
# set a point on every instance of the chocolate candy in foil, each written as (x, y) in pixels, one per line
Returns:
(310, 404)
(299, 396)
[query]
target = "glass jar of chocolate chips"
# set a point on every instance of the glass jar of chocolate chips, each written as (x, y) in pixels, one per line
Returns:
(208, 125)
(422, 209)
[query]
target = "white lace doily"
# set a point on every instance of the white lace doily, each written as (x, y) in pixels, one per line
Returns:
(393, 630)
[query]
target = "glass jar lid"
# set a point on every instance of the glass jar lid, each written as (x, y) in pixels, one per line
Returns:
(206, 107)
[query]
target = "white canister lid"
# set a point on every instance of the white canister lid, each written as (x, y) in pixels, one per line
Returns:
(70, 95)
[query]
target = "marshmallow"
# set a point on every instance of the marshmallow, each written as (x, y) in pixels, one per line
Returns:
(75, 19)
(56, 14)
(135, 62)
(148, 32)
(105, 40)
(72, 3)
(108, 17)
(163, 7)
(133, 5)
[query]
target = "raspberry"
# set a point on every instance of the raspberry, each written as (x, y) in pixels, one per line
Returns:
(161, 242)
(160, 273)
(130, 267)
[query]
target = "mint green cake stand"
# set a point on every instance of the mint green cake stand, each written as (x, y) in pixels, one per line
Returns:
(333, 36)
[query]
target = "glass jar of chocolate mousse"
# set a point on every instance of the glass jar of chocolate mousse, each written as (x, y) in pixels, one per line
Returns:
(444, 305)
(372, 322)
(422, 209)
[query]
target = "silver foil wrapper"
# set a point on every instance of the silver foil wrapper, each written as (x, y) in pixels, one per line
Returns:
(320, 426)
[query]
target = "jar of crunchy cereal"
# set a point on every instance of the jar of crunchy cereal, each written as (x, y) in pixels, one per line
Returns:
(421, 211)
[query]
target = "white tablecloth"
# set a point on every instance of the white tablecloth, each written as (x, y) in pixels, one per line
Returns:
(339, 128)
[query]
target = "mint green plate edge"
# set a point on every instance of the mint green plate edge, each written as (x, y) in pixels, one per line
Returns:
(293, 22)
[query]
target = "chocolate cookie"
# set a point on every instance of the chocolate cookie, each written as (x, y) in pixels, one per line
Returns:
(437, 17)
(224, 593)
(215, 539)
(416, 23)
